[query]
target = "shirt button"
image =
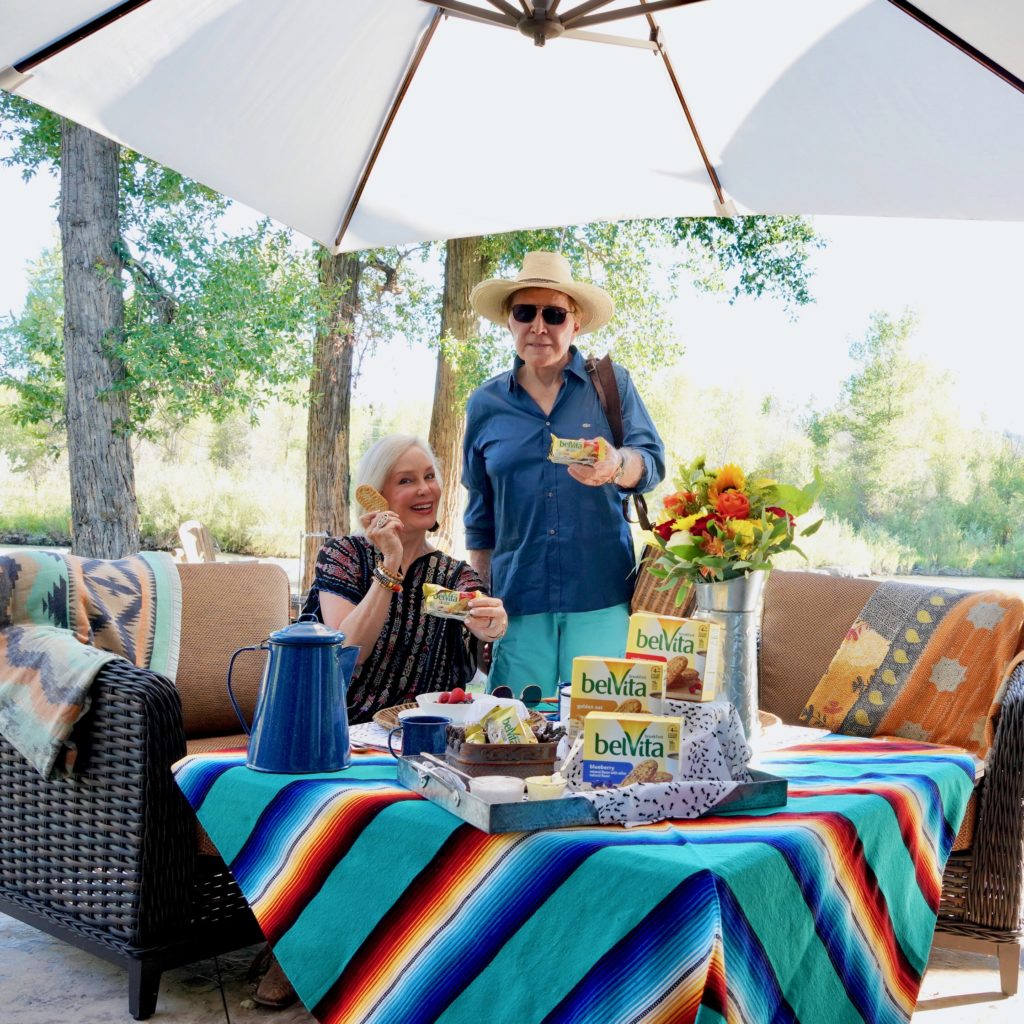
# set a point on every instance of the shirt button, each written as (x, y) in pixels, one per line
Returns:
(552, 532)
(547, 423)
(551, 494)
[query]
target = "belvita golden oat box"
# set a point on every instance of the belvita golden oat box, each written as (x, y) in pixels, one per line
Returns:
(690, 650)
(619, 750)
(614, 684)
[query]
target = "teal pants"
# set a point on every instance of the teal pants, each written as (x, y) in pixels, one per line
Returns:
(540, 648)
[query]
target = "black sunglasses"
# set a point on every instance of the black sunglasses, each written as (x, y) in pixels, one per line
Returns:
(525, 312)
(531, 696)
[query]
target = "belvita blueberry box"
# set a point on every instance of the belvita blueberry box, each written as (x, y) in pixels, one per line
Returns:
(690, 650)
(614, 684)
(619, 750)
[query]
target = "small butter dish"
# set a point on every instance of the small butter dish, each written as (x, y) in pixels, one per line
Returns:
(544, 787)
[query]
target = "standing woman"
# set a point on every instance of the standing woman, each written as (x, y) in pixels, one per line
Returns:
(551, 539)
(369, 585)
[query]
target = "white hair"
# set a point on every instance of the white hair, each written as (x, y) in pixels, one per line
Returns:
(379, 460)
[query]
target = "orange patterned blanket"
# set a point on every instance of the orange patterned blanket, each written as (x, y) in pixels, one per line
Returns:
(924, 663)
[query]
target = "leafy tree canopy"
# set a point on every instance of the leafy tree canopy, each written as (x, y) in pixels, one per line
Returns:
(214, 322)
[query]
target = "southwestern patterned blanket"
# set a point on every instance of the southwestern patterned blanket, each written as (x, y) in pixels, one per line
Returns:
(62, 618)
(382, 907)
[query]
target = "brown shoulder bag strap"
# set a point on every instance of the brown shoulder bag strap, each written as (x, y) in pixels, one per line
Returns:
(602, 373)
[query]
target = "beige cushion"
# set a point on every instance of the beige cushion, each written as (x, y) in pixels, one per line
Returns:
(224, 606)
(806, 616)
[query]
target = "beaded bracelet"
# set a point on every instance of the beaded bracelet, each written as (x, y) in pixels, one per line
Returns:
(381, 577)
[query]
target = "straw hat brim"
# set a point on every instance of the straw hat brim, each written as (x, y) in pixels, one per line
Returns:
(596, 305)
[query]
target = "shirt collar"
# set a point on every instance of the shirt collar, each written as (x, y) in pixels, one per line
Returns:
(576, 366)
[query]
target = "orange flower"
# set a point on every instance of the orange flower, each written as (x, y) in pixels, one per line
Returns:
(733, 505)
(712, 545)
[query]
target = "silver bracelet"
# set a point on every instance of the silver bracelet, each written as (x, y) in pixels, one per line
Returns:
(617, 475)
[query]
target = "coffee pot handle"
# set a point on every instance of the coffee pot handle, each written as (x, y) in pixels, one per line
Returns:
(231, 693)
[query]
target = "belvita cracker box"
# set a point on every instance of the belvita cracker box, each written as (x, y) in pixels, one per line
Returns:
(690, 650)
(619, 750)
(614, 684)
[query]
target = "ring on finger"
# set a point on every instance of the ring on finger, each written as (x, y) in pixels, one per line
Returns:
(382, 520)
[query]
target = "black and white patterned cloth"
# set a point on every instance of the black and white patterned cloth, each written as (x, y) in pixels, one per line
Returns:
(713, 761)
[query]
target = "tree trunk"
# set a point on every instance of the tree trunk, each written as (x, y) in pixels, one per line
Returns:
(104, 510)
(330, 403)
(464, 267)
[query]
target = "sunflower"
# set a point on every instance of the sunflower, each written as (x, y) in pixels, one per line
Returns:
(728, 478)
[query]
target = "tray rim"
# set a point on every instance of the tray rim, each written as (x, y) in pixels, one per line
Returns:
(758, 794)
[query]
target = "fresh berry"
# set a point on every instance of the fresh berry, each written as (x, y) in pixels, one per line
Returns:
(444, 697)
(457, 696)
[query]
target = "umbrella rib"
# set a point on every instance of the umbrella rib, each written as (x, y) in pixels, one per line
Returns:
(961, 44)
(582, 9)
(382, 135)
(76, 35)
(476, 13)
(663, 53)
(506, 7)
(624, 12)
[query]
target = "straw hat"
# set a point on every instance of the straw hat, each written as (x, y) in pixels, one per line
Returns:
(544, 270)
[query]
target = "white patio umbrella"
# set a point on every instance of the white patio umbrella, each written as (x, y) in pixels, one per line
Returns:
(372, 122)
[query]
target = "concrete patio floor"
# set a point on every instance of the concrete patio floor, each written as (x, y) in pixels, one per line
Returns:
(45, 981)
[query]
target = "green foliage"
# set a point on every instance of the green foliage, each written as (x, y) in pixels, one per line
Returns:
(640, 263)
(215, 323)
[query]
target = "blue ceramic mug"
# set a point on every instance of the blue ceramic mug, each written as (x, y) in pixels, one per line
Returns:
(421, 734)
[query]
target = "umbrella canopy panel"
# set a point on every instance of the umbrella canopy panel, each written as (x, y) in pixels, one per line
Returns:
(850, 107)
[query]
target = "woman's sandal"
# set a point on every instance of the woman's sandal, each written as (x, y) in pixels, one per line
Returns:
(274, 989)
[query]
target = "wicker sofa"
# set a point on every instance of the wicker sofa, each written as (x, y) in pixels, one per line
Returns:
(112, 860)
(806, 616)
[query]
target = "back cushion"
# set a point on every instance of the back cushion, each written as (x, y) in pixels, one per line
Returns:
(806, 616)
(224, 606)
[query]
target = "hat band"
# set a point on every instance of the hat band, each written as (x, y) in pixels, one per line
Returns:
(541, 280)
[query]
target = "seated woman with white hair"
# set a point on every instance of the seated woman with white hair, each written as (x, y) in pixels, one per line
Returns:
(369, 585)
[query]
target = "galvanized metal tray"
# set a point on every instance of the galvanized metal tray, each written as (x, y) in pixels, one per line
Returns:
(417, 774)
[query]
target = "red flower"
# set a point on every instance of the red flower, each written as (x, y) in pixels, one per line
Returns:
(664, 530)
(700, 526)
(780, 512)
(733, 505)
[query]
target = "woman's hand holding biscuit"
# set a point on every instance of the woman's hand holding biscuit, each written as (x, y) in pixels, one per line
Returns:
(384, 531)
(599, 473)
(487, 619)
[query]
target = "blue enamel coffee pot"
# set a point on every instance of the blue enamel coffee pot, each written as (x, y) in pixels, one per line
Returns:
(300, 725)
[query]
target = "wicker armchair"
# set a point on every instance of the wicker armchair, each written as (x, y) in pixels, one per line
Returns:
(112, 860)
(805, 618)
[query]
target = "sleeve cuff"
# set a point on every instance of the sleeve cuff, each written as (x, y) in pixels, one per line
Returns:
(479, 541)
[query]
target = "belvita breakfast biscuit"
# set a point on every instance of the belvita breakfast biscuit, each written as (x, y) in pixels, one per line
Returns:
(630, 706)
(645, 771)
(371, 499)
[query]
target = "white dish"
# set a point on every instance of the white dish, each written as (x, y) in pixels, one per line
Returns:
(497, 789)
(461, 714)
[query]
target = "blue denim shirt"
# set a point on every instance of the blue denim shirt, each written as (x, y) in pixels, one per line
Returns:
(558, 545)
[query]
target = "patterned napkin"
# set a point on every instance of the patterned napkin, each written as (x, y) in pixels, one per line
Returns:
(713, 760)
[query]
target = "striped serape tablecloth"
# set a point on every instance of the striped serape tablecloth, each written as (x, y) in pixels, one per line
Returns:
(382, 907)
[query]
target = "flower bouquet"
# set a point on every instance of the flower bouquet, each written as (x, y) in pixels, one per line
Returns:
(718, 525)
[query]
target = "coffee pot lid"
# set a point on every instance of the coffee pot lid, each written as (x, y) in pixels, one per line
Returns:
(307, 631)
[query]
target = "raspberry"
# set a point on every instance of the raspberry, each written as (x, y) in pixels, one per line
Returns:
(444, 698)
(457, 696)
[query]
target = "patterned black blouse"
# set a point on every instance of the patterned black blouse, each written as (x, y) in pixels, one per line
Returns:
(415, 653)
